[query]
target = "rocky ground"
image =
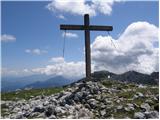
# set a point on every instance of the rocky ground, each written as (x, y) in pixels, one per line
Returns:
(90, 99)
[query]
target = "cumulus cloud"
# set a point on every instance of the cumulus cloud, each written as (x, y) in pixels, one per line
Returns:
(71, 70)
(81, 7)
(8, 72)
(69, 35)
(135, 50)
(35, 51)
(8, 38)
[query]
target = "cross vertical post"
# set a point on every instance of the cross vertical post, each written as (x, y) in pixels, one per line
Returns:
(87, 47)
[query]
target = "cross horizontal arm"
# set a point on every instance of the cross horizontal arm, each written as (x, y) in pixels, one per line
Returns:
(82, 27)
(72, 27)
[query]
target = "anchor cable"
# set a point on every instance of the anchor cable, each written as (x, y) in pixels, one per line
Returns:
(118, 48)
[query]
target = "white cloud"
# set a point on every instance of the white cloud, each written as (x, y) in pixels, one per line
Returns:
(8, 72)
(8, 38)
(81, 7)
(104, 7)
(135, 50)
(57, 59)
(69, 35)
(35, 51)
(61, 17)
(71, 70)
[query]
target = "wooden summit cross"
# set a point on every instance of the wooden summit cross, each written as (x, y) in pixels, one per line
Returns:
(87, 28)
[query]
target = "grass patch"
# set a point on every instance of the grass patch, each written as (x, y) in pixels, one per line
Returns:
(4, 111)
(107, 83)
(27, 94)
(126, 94)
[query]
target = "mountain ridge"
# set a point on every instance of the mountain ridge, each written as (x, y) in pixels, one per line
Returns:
(57, 81)
(129, 76)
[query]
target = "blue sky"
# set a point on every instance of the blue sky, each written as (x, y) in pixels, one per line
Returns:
(36, 27)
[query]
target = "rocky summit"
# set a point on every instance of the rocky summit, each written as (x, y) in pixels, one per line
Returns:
(89, 99)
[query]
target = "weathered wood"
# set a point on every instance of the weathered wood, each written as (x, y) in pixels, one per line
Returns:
(87, 28)
(87, 47)
(83, 27)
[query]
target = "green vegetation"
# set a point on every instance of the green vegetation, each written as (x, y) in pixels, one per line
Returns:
(127, 92)
(27, 94)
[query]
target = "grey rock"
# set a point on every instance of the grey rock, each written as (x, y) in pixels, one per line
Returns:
(135, 96)
(152, 115)
(45, 103)
(149, 101)
(67, 106)
(42, 115)
(52, 117)
(25, 107)
(103, 106)
(84, 114)
(103, 112)
(129, 108)
(89, 96)
(130, 105)
(17, 109)
(92, 103)
(26, 114)
(87, 106)
(140, 94)
(139, 115)
(118, 101)
(49, 111)
(108, 101)
(76, 99)
(119, 107)
(39, 108)
(59, 110)
(135, 105)
(19, 115)
(145, 106)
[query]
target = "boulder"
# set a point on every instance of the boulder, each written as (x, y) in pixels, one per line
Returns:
(92, 103)
(139, 94)
(129, 108)
(139, 115)
(49, 111)
(19, 115)
(103, 112)
(119, 107)
(52, 117)
(16, 109)
(39, 108)
(45, 103)
(145, 106)
(152, 115)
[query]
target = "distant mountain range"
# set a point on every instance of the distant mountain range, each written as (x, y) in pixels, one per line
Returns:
(130, 76)
(44, 81)
(52, 82)
(13, 83)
